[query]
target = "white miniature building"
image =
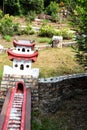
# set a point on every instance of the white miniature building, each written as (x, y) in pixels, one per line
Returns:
(22, 58)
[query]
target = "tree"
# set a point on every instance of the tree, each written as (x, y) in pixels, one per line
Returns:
(37, 6)
(52, 9)
(18, 7)
(79, 18)
(12, 7)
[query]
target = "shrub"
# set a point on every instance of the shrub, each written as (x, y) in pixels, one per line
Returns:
(46, 31)
(67, 34)
(7, 38)
(30, 16)
(52, 10)
(54, 17)
(7, 26)
(49, 31)
(27, 30)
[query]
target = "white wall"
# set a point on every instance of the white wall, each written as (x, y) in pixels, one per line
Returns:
(22, 65)
(23, 50)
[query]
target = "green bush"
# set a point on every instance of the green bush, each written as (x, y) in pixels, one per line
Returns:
(52, 9)
(27, 30)
(30, 16)
(49, 31)
(7, 26)
(67, 34)
(46, 31)
(54, 17)
(7, 38)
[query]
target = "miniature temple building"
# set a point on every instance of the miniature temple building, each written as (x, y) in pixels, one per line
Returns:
(22, 56)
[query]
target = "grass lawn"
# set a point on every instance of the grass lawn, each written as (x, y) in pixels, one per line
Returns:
(55, 62)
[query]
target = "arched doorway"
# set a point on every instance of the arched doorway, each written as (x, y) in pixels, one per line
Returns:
(23, 49)
(20, 87)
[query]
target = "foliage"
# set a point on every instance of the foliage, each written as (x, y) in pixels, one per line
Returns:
(7, 38)
(36, 6)
(13, 7)
(26, 30)
(49, 31)
(52, 7)
(30, 16)
(1, 14)
(79, 18)
(20, 7)
(46, 31)
(7, 26)
(71, 5)
(29, 29)
(44, 40)
(67, 33)
(54, 17)
(49, 123)
(52, 10)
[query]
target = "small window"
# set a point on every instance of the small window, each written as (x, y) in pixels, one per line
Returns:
(16, 65)
(18, 49)
(27, 66)
(28, 50)
(23, 49)
(21, 67)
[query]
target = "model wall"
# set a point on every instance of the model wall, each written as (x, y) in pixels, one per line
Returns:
(48, 94)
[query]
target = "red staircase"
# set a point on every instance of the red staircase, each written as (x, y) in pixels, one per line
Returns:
(15, 118)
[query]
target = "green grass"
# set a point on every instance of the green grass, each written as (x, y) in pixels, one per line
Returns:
(50, 122)
(3, 61)
(55, 62)
(7, 38)
(44, 40)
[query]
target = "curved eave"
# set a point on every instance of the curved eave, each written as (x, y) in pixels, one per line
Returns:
(12, 55)
(16, 43)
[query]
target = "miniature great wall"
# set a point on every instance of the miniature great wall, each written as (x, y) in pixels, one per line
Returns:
(22, 90)
(16, 111)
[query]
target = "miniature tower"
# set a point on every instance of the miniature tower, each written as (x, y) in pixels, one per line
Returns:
(22, 56)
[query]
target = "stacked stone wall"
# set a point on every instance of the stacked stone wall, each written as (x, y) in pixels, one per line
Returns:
(9, 81)
(54, 91)
(48, 94)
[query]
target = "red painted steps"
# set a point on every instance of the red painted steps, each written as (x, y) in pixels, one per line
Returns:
(15, 118)
(16, 113)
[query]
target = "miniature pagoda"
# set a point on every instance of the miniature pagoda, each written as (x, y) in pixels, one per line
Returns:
(22, 56)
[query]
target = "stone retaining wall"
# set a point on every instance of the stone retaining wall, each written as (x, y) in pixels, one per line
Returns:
(54, 91)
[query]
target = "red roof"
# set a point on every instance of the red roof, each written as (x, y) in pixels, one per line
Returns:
(12, 55)
(23, 43)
